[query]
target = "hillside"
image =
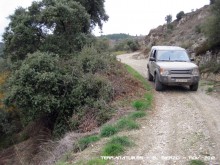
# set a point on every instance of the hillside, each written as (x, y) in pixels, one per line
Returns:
(187, 33)
(120, 36)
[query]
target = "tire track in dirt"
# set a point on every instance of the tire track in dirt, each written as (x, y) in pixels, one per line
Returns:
(184, 125)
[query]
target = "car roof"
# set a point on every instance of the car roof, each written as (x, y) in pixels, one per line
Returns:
(167, 48)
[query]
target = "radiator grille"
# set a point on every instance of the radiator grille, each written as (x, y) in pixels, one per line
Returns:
(181, 72)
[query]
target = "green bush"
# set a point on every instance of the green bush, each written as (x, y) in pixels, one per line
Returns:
(211, 28)
(47, 86)
(127, 45)
(133, 45)
(93, 61)
(93, 87)
(37, 87)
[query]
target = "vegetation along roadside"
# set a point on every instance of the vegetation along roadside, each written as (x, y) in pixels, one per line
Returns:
(109, 141)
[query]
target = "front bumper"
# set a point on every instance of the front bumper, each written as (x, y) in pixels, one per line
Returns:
(183, 79)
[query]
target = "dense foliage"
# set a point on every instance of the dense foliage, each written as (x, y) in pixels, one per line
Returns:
(47, 86)
(127, 45)
(96, 10)
(58, 26)
(212, 26)
(57, 77)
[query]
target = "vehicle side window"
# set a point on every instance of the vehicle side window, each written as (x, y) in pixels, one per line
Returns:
(153, 53)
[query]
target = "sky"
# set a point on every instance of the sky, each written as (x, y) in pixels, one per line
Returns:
(134, 17)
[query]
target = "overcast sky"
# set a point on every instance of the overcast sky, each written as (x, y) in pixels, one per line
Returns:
(134, 17)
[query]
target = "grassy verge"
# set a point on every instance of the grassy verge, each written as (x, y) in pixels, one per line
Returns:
(117, 145)
(210, 86)
(86, 141)
(139, 77)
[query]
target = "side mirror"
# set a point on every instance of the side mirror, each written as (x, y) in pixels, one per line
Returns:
(192, 59)
(152, 59)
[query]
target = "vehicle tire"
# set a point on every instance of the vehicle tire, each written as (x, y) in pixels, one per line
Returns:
(158, 85)
(194, 87)
(150, 77)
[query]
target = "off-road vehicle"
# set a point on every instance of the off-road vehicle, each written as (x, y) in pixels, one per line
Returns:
(171, 65)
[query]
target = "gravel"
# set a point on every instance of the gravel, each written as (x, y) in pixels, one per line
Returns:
(183, 126)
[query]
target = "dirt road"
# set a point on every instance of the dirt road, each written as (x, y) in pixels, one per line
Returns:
(184, 126)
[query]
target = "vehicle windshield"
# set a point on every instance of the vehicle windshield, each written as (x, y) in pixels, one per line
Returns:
(172, 55)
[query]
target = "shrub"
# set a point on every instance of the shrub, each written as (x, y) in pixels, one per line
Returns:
(39, 86)
(198, 29)
(180, 15)
(47, 86)
(93, 61)
(127, 45)
(211, 28)
(202, 49)
(211, 66)
(133, 45)
(170, 28)
(94, 87)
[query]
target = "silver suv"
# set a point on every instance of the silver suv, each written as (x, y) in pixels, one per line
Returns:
(171, 65)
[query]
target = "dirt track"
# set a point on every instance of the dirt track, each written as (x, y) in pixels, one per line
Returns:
(184, 126)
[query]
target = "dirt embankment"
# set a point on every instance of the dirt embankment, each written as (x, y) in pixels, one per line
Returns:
(184, 126)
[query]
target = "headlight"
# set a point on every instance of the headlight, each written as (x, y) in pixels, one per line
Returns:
(195, 72)
(164, 72)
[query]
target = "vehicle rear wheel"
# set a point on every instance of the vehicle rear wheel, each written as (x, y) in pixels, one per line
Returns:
(158, 85)
(194, 87)
(150, 77)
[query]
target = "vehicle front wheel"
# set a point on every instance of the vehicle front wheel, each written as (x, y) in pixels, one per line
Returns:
(150, 77)
(194, 87)
(158, 85)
